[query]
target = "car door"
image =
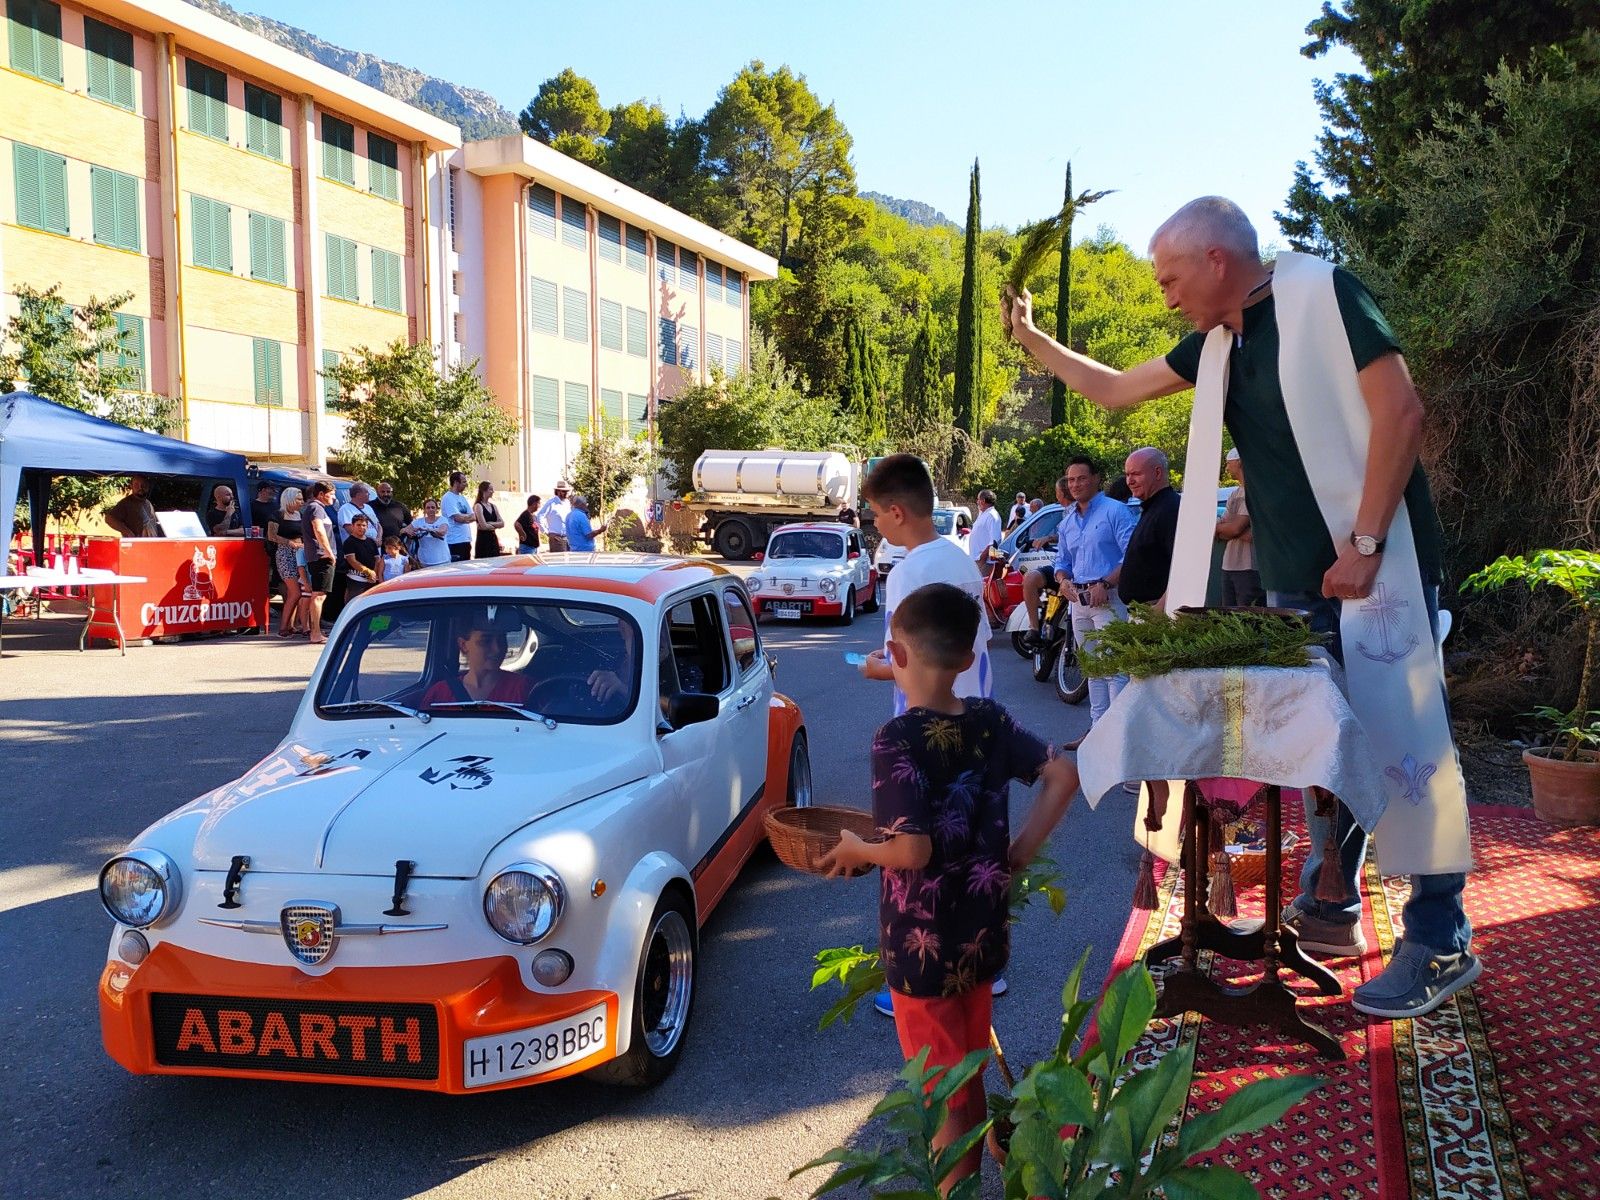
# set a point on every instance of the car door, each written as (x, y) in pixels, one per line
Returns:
(691, 658)
(862, 576)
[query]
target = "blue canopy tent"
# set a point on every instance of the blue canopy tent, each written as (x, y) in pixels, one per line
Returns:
(40, 439)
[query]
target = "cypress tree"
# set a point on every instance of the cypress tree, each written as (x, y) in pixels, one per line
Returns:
(969, 333)
(1060, 402)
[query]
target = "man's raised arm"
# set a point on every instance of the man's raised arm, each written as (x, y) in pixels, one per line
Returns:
(1105, 386)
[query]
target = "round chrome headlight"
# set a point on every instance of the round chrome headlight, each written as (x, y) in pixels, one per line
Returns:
(754, 583)
(829, 585)
(140, 888)
(523, 903)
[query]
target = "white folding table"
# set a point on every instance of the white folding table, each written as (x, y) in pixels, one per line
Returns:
(89, 579)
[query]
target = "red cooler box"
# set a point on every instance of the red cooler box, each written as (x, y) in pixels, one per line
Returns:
(195, 585)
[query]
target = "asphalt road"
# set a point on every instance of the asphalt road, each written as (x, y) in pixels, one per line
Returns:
(94, 747)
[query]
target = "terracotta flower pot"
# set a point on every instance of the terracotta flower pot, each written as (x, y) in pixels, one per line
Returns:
(1565, 793)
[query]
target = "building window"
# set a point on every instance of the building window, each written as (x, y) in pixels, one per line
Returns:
(269, 260)
(689, 347)
(41, 179)
(129, 354)
(610, 325)
(574, 314)
(713, 349)
(115, 199)
(455, 187)
(383, 167)
(611, 412)
(669, 341)
(666, 261)
(386, 292)
(638, 414)
(211, 234)
(637, 252)
(576, 416)
(638, 333)
(713, 281)
(610, 238)
(542, 307)
(263, 121)
(342, 281)
(109, 52)
(330, 386)
(338, 150)
(733, 357)
(541, 211)
(545, 403)
(574, 224)
(35, 28)
(733, 289)
(267, 357)
(208, 100)
(688, 271)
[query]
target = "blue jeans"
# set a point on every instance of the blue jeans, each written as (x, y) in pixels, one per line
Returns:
(1434, 915)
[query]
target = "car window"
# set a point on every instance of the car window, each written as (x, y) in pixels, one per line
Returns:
(944, 521)
(694, 631)
(1044, 526)
(741, 631)
(574, 663)
(805, 543)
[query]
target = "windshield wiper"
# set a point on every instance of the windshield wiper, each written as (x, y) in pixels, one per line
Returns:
(495, 705)
(369, 705)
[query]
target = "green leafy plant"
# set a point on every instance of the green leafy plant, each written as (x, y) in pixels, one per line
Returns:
(1577, 573)
(1151, 642)
(1081, 1122)
(1038, 239)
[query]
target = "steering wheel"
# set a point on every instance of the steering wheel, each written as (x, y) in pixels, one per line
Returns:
(571, 687)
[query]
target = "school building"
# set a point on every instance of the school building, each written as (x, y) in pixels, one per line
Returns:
(267, 215)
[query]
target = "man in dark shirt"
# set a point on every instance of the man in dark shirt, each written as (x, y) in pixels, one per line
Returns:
(222, 517)
(1148, 558)
(393, 517)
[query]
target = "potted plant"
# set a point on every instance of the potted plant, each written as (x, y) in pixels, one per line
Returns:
(1565, 775)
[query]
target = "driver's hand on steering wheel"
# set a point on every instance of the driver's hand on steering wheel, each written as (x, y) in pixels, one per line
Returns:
(605, 685)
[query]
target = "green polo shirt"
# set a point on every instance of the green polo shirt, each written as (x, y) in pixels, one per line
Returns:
(1293, 546)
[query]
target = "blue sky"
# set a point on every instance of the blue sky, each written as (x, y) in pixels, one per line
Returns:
(1163, 100)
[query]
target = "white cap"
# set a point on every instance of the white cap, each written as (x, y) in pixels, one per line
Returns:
(1233, 454)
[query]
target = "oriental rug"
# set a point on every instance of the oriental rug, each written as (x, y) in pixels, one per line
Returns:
(1494, 1094)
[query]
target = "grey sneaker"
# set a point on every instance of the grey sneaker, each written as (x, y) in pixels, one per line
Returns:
(1328, 939)
(1416, 981)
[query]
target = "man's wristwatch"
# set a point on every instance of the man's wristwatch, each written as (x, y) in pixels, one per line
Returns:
(1366, 545)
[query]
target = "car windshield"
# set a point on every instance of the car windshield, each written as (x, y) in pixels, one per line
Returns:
(806, 543)
(944, 521)
(570, 662)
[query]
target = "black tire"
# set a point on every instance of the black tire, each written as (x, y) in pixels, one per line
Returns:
(734, 541)
(1071, 684)
(1044, 662)
(1019, 643)
(800, 793)
(848, 616)
(871, 606)
(663, 998)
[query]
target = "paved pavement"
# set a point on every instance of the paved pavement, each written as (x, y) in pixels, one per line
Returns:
(94, 747)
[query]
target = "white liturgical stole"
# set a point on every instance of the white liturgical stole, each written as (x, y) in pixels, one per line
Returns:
(1392, 667)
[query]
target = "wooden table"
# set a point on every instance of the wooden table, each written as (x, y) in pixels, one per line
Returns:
(90, 580)
(1269, 1002)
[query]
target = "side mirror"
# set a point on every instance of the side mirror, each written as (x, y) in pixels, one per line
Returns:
(691, 708)
(759, 556)
(854, 554)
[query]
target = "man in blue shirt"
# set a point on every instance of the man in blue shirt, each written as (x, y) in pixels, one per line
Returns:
(1090, 543)
(581, 534)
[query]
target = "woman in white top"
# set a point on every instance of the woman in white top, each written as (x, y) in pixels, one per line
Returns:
(430, 531)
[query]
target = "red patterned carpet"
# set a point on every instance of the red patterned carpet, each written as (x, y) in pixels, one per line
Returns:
(1495, 1094)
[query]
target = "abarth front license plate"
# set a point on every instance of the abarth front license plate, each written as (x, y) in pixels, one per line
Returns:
(524, 1053)
(789, 610)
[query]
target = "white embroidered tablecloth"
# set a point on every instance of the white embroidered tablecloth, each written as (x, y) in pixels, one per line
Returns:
(1289, 726)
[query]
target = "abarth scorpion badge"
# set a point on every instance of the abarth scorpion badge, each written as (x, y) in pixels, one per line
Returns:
(308, 930)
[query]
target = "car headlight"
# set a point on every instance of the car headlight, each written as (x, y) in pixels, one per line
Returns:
(523, 903)
(140, 888)
(754, 583)
(829, 585)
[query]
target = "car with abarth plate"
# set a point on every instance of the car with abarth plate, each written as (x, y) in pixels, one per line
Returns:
(482, 854)
(814, 569)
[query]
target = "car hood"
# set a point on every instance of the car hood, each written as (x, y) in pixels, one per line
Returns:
(354, 804)
(803, 566)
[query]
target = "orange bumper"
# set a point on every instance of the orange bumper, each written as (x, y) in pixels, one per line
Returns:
(401, 1027)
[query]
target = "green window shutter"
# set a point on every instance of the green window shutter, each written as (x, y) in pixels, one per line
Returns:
(544, 403)
(130, 353)
(267, 359)
(383, 167)
(352, 281)
(263, 121)
(268, 258)
(334, 263)
(636, 249)
(212, 234)
(638, 414)
(386, 280)
(109, 52)
(575, 314)
(208, 99)
(338, 150)
(577, 407)
(542, 313)
(34, 27)
(342, 281)
(25, 171)
(103, 198)
(128, 189)
(638, 333)
(610, 325)
(199, 231)
(330, 386)
(53, 189)
(611, 411)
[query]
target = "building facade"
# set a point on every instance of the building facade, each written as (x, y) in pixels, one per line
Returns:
(266, 215)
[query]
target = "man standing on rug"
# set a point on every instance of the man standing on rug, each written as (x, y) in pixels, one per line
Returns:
(1306, 373)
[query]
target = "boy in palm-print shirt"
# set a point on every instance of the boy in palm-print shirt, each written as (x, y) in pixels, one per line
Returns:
(941, 774)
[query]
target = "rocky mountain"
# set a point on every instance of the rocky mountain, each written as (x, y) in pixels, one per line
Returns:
(478, 114)
(914, 211)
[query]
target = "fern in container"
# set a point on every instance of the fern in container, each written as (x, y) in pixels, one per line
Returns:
(1565, 775)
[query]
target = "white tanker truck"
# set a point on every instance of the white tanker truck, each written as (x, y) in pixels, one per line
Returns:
(741, 496)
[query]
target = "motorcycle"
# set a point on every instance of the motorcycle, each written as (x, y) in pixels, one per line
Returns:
(1053, 650)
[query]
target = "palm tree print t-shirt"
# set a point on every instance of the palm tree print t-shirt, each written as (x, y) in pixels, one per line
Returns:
(943, 929)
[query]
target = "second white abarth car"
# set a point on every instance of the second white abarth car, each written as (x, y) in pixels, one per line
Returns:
(814, 569)
(513, 792)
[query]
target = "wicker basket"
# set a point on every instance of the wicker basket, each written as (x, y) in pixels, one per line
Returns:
(802, 837)
(1249, 869)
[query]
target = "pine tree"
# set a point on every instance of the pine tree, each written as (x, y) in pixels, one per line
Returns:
(969, 334)
(1060, 402)
(921, 397)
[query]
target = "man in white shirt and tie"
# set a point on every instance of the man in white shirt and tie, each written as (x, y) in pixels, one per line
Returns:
(553, 517)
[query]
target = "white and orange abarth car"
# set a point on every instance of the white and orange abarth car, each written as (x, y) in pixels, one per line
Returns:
(481, 857)
(814, 569)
